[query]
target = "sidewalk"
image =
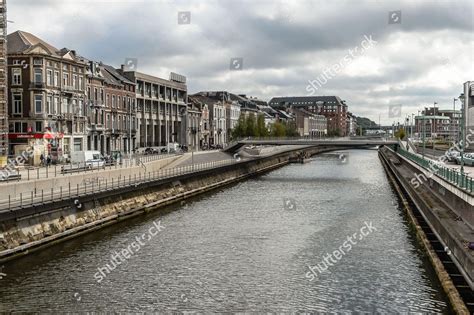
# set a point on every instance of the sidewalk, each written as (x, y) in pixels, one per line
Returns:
(467, 169)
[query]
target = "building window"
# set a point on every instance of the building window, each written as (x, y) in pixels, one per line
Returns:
(17, 104)
(56, 106)
(74, 81)
(16, 76)
(65, 79)
(81, 86)
(38, 61)
(49, 77)
(39, 126)
(56, 78)
(38, 103)
(64, 107)
(49, 104)
(38, 75)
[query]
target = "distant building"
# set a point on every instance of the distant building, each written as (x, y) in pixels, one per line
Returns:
(431, 124)
(110, 110)
(351, 124)
(468, 92)
(232, 117)
(194, 124)
(47, 97)
(309, 124)
(454, 122)
(217, 117)
(331, 107)
(161, 108)
(3, 83)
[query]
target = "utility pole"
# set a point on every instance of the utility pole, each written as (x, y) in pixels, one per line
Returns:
(424, 129)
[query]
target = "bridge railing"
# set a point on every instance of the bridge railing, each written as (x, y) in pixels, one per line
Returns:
(97, 185)
(316, 138)
(451, 175)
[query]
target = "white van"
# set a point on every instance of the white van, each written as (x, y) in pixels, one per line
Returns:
(90, 159)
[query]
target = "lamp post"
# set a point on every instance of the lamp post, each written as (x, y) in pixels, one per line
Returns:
(462, 99)
(423, 134)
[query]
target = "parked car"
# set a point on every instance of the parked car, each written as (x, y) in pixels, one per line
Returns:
(452, 155)
(468, 159)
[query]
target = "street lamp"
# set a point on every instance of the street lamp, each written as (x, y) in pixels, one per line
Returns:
(462, 98)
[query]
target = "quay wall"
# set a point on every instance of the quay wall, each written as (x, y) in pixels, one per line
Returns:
(438, 205)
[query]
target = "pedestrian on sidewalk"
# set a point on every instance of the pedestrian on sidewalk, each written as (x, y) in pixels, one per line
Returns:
(42, 159)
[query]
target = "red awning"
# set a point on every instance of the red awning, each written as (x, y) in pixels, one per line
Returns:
(37, 135)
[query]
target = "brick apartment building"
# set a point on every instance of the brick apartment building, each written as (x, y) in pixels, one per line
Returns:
(110, 109)
(331, 107)
(3, 84)
(46, 95)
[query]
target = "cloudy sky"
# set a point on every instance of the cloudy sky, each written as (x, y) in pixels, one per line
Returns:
(417, 56)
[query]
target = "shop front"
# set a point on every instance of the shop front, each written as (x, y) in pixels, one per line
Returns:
(37, 144)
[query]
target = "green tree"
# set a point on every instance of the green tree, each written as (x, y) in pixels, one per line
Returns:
(400, 134)
(278, 129)
(262, 129)
(251, 126)
(290, 129)
(240, 130)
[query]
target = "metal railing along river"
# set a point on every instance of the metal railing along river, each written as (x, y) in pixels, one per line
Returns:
(453, 176)
(51, 171)
(39, 197)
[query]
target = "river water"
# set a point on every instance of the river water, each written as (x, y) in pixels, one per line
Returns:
(247, 247)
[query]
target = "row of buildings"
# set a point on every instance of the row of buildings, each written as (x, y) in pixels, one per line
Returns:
(446, 124)
(59, 101)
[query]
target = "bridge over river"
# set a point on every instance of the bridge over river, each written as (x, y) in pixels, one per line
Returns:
(336, 142)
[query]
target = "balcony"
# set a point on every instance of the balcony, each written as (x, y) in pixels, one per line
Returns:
(97, 127)
(68, 89)
(37, 85)
(96, 104)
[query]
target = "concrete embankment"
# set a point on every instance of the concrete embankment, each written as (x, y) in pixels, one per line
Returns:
(70, 181)
(433, 209)
(29, 229)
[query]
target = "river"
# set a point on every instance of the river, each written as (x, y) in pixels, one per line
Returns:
(247, 247)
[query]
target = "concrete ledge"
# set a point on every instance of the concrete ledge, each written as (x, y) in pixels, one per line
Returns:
(448, 286)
